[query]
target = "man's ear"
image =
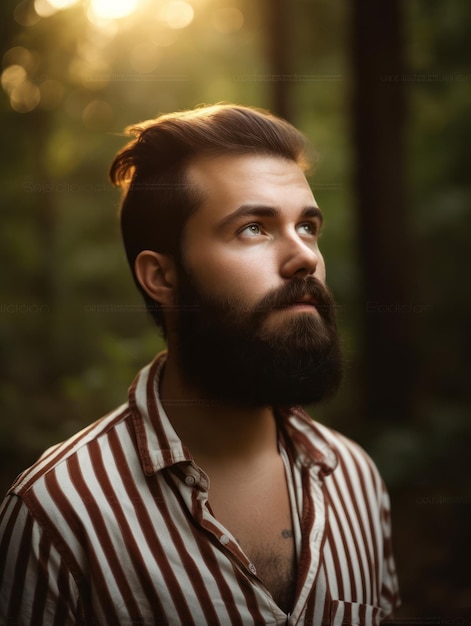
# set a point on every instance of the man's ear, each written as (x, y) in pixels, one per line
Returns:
(156, 273)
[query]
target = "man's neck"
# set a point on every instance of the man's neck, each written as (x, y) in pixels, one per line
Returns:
(211, 430)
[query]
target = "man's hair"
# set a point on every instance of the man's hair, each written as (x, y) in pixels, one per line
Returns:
(151, 170)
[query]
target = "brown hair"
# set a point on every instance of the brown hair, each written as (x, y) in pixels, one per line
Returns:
(151, 170)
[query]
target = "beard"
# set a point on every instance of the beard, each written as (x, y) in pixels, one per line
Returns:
(235, 355)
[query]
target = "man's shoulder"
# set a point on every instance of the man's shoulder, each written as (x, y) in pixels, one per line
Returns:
(57, 459)
(351, 458)
(340, 442)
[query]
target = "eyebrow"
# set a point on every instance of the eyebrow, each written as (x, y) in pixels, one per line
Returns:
(257, 210)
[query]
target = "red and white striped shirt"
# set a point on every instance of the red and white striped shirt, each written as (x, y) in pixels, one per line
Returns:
(113, 527)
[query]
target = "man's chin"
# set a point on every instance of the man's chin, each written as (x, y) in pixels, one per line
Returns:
(272, 377)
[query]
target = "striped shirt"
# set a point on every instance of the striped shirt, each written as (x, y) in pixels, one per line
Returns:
(113, 527)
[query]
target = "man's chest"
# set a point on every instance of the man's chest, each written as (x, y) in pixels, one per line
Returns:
(260, 517)
(274, 558)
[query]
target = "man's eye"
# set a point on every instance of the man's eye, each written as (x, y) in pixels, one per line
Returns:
(251, 230)
(307, 228)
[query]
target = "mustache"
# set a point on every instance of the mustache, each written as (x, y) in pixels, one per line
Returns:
(192, 300)
(296, 290)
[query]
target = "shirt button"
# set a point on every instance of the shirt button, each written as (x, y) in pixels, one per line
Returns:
(225, 539)
(190, 480)
(252, 568)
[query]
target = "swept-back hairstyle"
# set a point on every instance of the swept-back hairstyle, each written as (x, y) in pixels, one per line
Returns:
(151, 170)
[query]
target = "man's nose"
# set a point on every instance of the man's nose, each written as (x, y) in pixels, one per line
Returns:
(299, 258)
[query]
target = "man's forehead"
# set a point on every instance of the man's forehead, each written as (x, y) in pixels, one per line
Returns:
(250, 189)
(248, 178)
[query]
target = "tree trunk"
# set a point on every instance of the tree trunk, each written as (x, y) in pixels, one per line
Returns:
(378, 118)
(276, 14)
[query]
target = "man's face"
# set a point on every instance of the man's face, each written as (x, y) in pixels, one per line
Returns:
(257, 324)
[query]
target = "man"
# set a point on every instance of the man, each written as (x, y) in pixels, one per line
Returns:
(211, 497)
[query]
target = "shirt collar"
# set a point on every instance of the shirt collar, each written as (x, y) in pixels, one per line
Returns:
(311, 448)
(159, 445)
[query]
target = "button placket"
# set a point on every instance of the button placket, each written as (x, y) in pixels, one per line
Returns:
(315, 537)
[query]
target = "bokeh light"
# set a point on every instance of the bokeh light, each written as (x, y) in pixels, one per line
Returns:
(25, 97)
(18, 55)
(12, 77)
(177, 14)
(61, 4)
(25, 15)
(112, 9)
(44, 8)
(19, 64)
(93, 75)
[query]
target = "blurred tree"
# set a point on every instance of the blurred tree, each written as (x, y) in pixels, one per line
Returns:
(436, 515)
(381, 202)
(279, 49)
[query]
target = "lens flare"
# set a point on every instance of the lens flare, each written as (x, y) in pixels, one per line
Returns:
(112, 9)
(61, 4)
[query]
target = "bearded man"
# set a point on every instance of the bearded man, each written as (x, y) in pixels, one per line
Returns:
(211, 497)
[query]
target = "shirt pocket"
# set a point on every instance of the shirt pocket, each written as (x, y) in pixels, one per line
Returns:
(354, 614)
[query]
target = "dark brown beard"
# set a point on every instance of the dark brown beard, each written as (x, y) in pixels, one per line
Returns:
(225, 350)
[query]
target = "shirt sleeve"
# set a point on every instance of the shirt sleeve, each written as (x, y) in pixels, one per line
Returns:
(390, 598)
(36, 586)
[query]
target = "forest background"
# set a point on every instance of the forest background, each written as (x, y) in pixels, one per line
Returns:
(383, 92)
